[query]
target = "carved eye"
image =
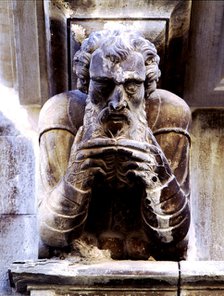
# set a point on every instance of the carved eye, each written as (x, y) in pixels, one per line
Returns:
(100, 89)
(105, 85)
(131, 87)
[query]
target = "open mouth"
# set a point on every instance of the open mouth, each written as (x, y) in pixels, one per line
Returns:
(116, 117)
(114, 123)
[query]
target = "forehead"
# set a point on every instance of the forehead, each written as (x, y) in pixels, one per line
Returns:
(133, 67)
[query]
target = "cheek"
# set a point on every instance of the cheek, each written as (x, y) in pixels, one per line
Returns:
(138, 97)
(95, 94)
(97, 97)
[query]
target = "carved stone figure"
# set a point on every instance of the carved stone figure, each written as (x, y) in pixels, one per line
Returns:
(114, 155)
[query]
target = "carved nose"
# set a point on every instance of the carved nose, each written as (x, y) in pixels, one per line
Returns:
(117, 102)
(117, 106)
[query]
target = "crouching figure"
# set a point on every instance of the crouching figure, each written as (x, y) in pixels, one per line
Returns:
(114, 155)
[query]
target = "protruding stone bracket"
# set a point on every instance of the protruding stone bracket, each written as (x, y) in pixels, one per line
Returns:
(134, 278)
(65, 277)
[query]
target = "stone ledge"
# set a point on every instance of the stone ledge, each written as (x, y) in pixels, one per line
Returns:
(126, 278)
(104, 278)
(202, 278)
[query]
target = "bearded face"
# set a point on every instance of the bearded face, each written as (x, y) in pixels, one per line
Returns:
(116, 96)
(118, 189)
(115, 126)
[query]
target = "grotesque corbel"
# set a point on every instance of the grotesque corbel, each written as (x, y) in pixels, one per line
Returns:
(114, 155)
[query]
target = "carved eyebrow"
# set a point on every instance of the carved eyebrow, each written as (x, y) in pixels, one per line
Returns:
(129, 76)
(101, 78)
(136, 80)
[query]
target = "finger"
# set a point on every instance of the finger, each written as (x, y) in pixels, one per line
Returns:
(97, 142)
(104, 142)
(95, 152)
(90, 163)
(132, 144)
(138, 166)
(136, 154)
(83, 179)
(90, 172)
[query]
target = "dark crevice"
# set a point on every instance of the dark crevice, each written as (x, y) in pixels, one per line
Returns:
(179, 280)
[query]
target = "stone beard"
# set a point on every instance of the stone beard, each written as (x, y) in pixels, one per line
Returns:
(118, 190)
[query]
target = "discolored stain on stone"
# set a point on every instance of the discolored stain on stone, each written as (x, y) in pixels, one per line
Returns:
(209, 118)
(17, 166)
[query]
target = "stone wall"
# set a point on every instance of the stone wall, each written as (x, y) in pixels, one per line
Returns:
(207, 175)
(7, 56)
(19, 59)
(18, 139)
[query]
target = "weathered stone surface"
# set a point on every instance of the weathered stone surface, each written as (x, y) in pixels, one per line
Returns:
(7, 57)
(19, 240)
(43, 292)
(17, 167)
(207, 175)
(202, 278)
(30, 44)
(204, 83)
(206, 292)
(135, 278)
(103, 292)
(124, 277)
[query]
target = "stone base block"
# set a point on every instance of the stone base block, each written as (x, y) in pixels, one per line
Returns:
(118, 278)
(19, 239)
(202, 278)
(65, 277)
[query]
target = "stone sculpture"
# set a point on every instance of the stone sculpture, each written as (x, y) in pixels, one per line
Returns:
(114, 155)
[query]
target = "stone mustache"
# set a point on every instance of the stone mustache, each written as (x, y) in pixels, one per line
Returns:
(114, 155)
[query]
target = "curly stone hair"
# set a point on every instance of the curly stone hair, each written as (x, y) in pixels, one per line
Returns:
(116, 45)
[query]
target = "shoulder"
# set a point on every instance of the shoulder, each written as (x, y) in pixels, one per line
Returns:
(63, 111)
(166, 110)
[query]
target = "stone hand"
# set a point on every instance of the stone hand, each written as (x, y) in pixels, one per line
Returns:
(107, 156)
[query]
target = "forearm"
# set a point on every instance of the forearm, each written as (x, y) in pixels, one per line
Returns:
(61, 212)
(165, 209)
(62, 207)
